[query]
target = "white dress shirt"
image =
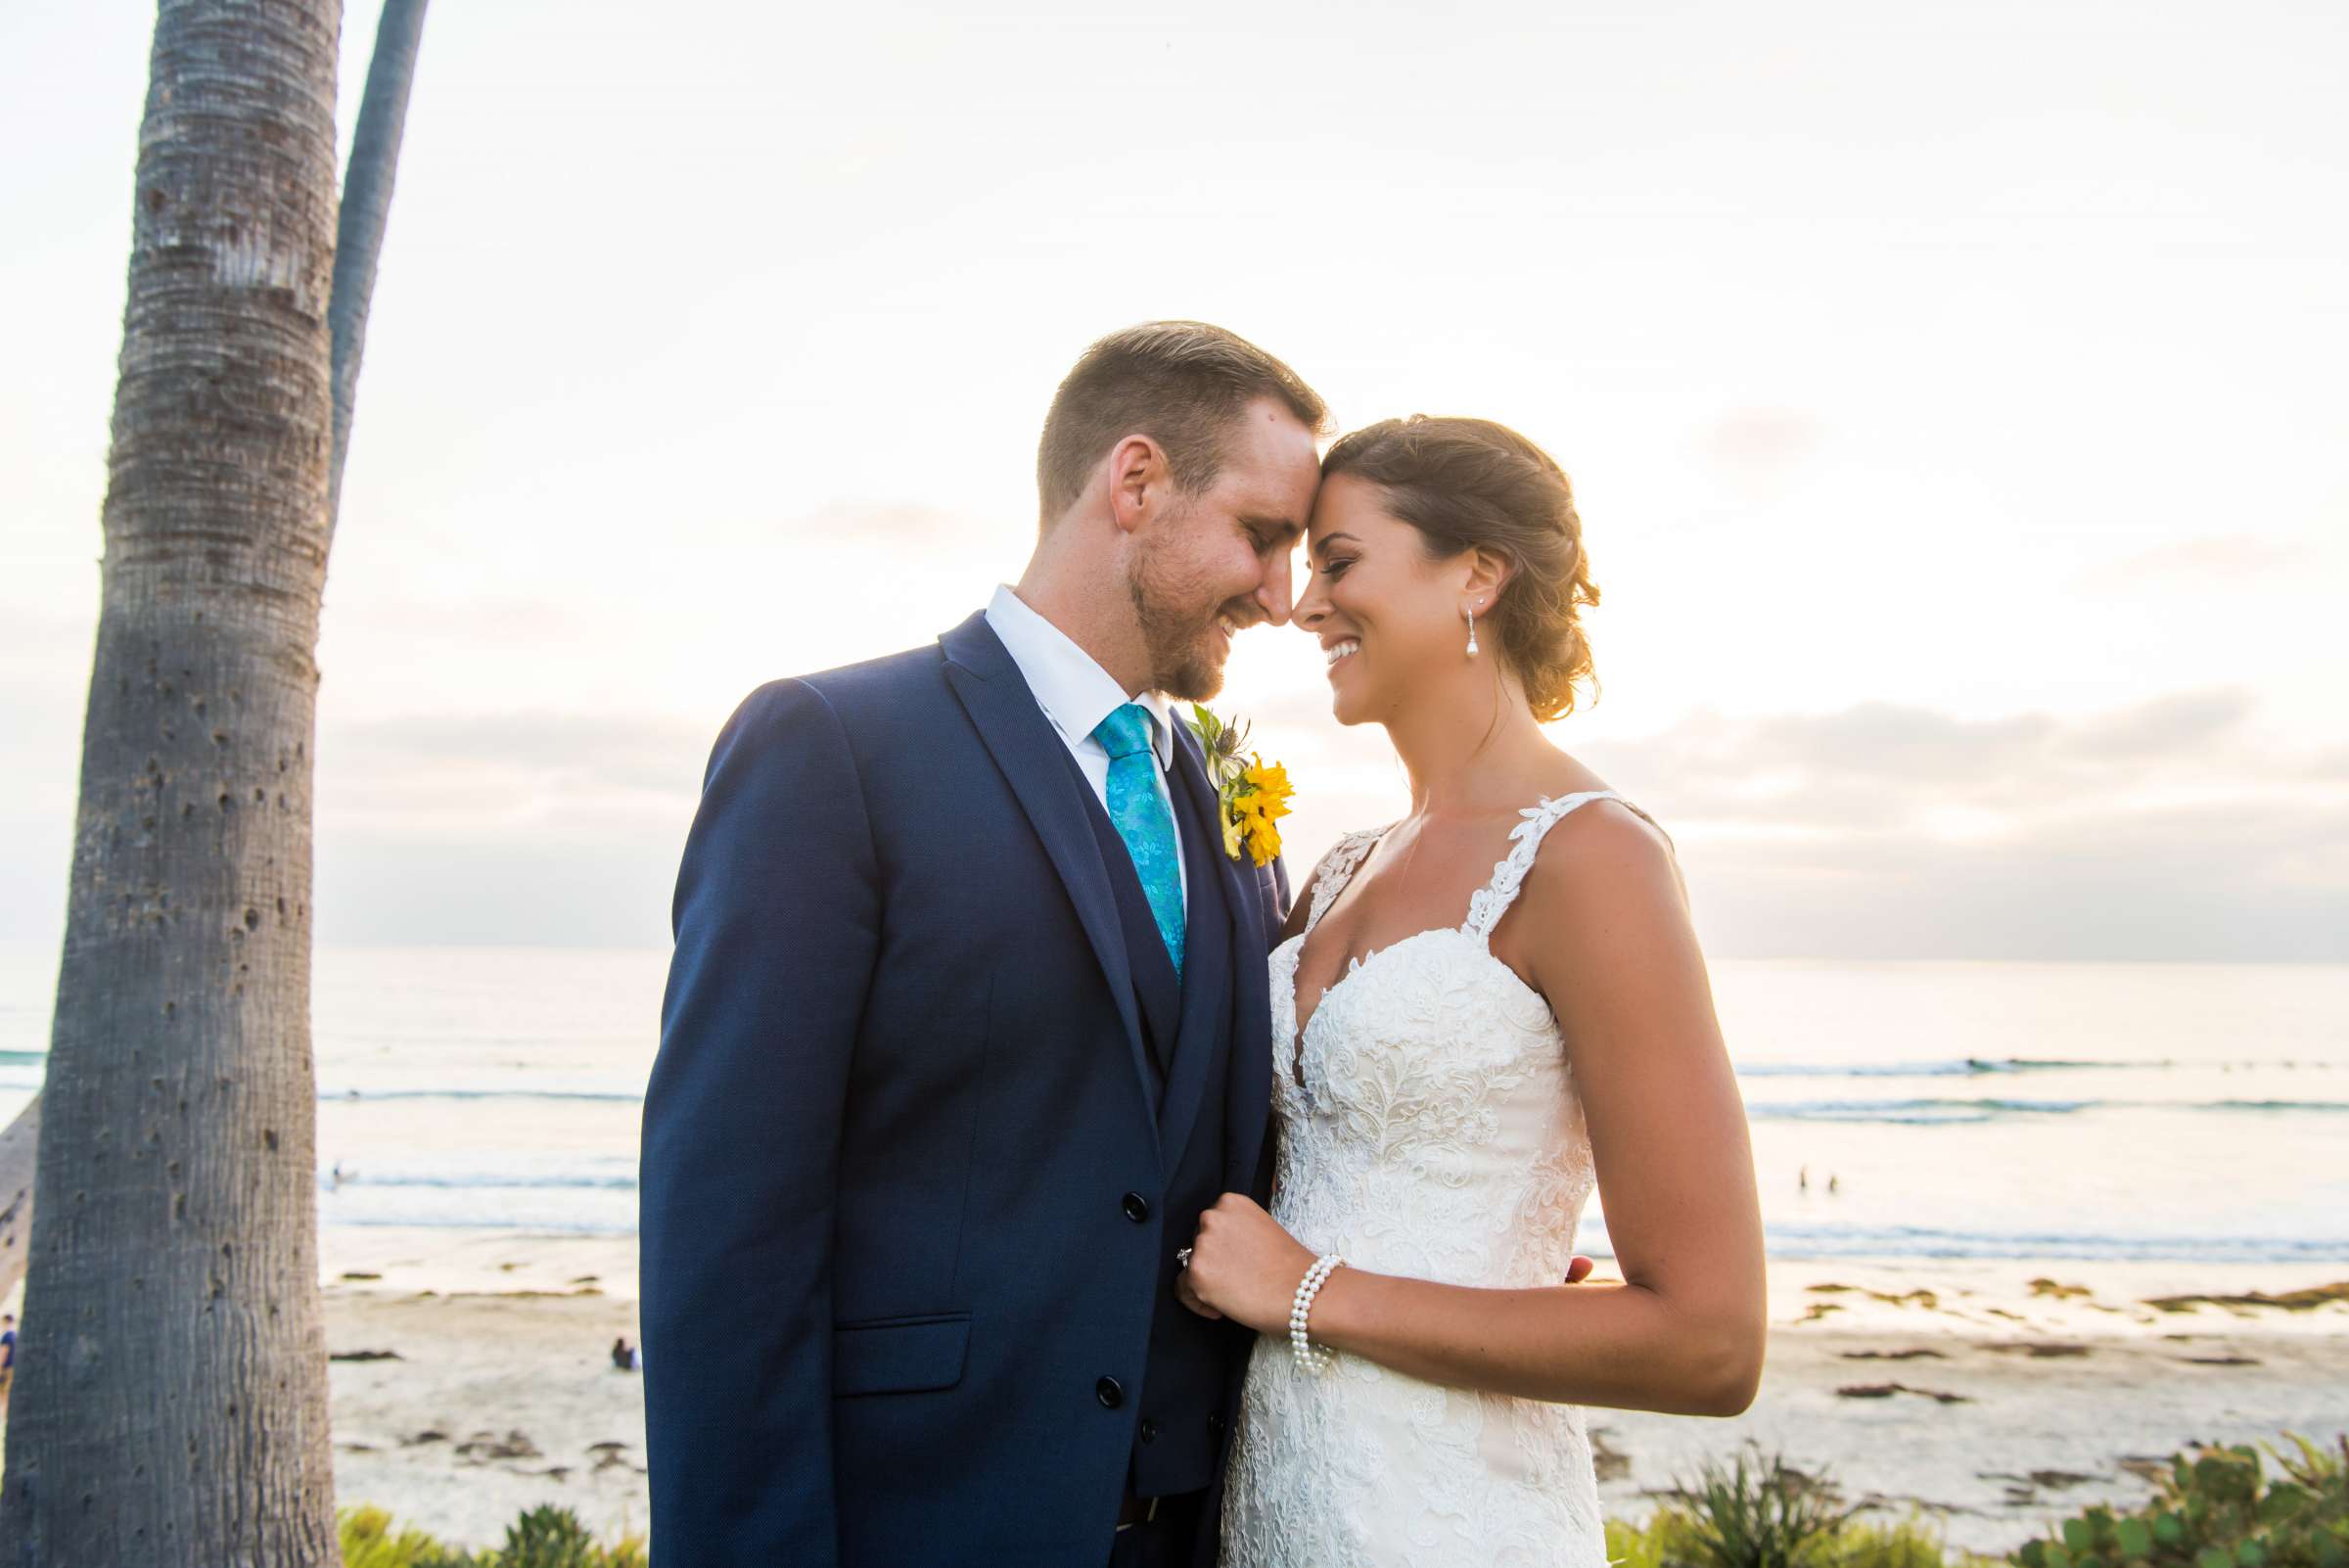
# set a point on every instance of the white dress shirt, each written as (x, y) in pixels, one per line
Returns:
(1076, 694)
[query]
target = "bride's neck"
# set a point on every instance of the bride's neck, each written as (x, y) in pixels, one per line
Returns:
(1467, 752)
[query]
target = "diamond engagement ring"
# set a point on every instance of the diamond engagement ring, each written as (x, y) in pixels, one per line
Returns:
(1183, 1258)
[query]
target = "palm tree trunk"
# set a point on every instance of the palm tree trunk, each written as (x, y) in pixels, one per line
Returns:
(366, 209)
(20, 1147)
(171, 1400)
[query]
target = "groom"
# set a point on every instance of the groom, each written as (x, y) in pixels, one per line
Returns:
(967, 1024)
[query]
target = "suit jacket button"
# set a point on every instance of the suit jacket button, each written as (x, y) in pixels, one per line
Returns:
(1110, 1392)
(1215, 1425)
(1137, 1207)
(1149, 1431)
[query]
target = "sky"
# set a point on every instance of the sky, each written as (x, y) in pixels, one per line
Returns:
(1952, 400)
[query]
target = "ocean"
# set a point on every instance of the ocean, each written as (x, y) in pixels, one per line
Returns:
(2170, 1112)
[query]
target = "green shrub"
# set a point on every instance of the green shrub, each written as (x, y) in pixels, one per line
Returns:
(551, 1536)
(1766, 1515)
(1645, 1546)
(2219, 1508)
(546, 1536)
(1756, 1512)
(368, 1542)
(1910, 1544)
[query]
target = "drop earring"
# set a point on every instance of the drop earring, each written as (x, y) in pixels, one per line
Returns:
(1472, 631)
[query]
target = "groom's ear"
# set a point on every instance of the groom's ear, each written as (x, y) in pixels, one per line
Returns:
(1141, 483)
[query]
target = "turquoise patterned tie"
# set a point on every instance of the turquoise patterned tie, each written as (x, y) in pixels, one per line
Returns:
(1140, 815)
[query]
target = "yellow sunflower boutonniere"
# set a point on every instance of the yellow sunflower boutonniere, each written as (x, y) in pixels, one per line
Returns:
(1253, 794)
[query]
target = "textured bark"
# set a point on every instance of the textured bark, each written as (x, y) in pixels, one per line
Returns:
(366, 209)
(19, 1147)
(171, 1404)
(365, 212)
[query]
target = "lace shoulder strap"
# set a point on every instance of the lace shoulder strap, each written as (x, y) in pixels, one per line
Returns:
(1490, 902)
(1336, 868)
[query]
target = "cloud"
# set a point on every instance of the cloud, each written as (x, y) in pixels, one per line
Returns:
(478, 623)
(2162, 830)
(573, 756)
(2213, 883)
(2178, 727)
(2226, 559)
(2166, 829)
(902, 526)
(538, 886)
(1885, 764)
(544, 828)
(1757, 448)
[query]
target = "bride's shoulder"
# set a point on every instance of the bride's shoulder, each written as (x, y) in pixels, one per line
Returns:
(1598, 816)
(1595, 848)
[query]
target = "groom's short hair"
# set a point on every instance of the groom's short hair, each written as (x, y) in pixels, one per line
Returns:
(1182, 383)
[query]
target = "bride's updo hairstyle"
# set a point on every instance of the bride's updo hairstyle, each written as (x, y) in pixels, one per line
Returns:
(1466, 484)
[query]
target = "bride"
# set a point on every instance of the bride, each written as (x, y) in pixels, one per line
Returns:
(1477, 1012)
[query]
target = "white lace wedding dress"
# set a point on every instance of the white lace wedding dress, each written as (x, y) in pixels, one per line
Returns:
(1428, 1128)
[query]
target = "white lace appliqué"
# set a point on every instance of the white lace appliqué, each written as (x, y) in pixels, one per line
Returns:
(1428, 1128)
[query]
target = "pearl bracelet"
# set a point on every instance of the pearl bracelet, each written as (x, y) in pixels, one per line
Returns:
(1301, 1306)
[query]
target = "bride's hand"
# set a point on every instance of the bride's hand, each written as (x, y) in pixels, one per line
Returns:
(1244, 1266)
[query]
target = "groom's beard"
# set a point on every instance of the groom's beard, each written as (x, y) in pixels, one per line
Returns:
(1186, 647)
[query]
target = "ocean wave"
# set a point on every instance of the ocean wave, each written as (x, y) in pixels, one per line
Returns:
(1958, 1112)
(1789, 1242)
(1955, 1067)
(486, 1181)
(1983, 1067)
(1798, 1240)
(348, 1095)
(1962, 1066)
(1923, 1110)
(529, 1227)
(1912, 1111)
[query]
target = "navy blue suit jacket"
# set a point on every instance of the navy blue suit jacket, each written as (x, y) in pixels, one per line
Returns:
(901, 1112)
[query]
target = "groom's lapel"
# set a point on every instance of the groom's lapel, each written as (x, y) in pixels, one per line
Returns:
(1249, 1083)
(1036, 763)
(1207, 952)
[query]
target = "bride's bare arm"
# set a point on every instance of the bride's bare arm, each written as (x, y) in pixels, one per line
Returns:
(1602, 928)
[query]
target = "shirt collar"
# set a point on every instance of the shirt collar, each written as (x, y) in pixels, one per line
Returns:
(1075, 692)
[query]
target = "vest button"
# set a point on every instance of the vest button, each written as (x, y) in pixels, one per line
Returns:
(1110, 1392)
(1137, 1207)
(1149, 1431)
(1215, 1425)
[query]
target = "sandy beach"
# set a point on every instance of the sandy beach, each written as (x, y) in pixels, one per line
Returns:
(1988, 1398)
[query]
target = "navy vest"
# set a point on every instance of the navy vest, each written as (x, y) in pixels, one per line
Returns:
(1188, 1028)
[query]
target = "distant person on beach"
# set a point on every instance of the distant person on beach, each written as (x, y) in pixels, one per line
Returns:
(624, 1355)
(8, 1354)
